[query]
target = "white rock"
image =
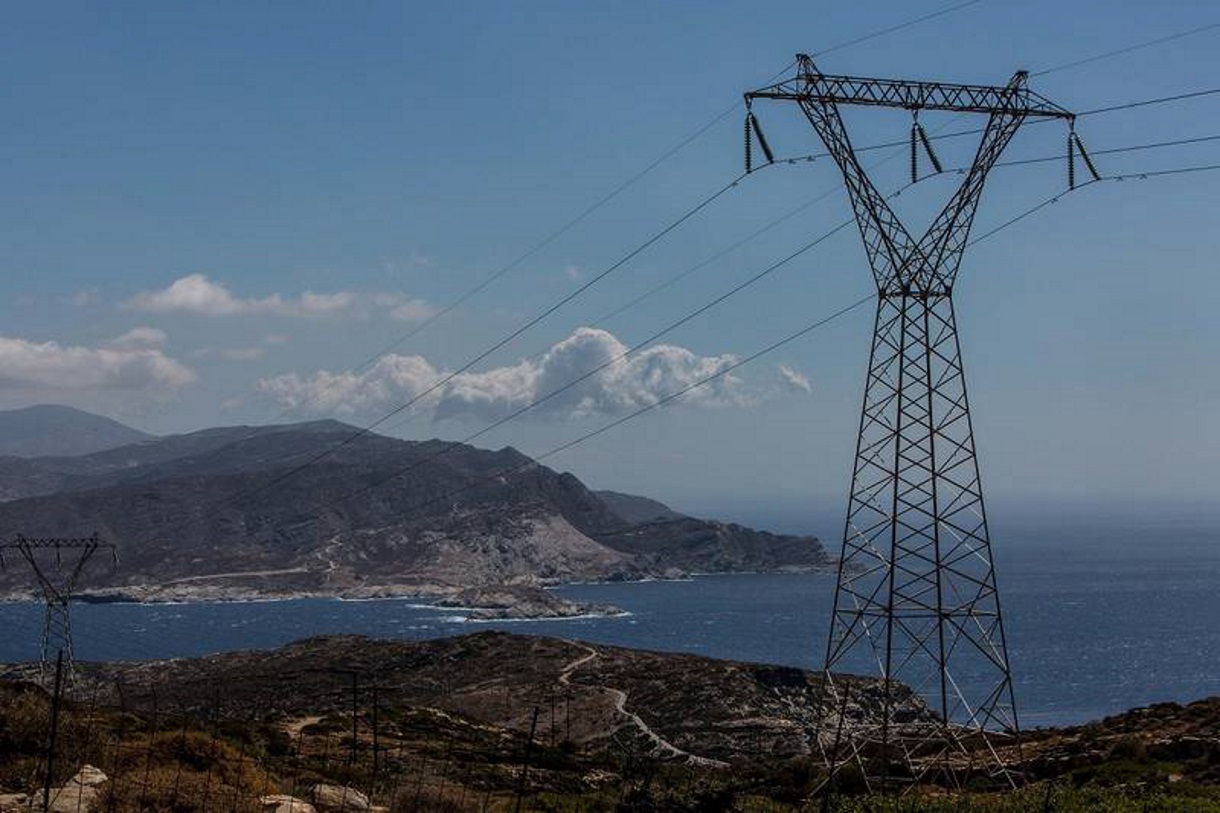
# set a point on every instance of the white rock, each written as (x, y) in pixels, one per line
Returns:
(283, 803)
(339, 799)
(90, 776)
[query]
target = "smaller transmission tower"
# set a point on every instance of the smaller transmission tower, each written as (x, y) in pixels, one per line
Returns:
(57, 564)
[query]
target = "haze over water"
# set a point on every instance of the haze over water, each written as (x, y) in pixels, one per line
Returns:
(1104, 613)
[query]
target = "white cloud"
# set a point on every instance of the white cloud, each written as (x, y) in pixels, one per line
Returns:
(795, 379)
(392, 380)
(201, 296)
(404, 308)
(643, 379)
(83, 297)
(572, 272)
(229, 353)
(198, 295)
(275, 338)
(241, 353)
(50, 365)
(139, 337)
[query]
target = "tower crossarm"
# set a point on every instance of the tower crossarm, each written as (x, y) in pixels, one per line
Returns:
(811, 85)
(903, 264)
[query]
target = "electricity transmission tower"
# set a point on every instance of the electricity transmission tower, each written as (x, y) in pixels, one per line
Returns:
(57, 564)
(916, 601)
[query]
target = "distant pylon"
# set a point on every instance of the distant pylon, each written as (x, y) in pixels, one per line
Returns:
(58, 581)
(916, 601)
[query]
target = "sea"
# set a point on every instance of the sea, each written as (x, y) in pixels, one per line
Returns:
(1103, 613)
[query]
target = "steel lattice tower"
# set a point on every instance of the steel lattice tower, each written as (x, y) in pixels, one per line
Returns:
(916, 595)
(57, 583)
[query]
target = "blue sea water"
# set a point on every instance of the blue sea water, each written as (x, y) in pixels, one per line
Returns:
(1102, 616)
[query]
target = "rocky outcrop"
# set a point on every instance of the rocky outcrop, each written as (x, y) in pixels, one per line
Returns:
(515, 601)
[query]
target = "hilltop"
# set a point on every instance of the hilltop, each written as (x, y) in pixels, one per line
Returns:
(53, 429)
(452, 724)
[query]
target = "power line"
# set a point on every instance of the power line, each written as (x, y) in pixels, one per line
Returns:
(690, 315)
(1158, 173)
(656, 289)
(635, 348)
(900, 26)
(605, 199)
(1114, 150)
(500, 422)
(1162, 100)
(445, 379)
(752, 357)
(1128, 49)
(644, 172)
(615, 360)
(449, 377)
(533, 461)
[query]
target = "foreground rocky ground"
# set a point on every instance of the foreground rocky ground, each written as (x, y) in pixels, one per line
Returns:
(487, 721)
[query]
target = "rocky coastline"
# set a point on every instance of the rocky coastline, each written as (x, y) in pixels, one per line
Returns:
(486, 603)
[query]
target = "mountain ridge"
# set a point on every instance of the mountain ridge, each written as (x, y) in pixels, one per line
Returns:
(229, 512)
(53, 429)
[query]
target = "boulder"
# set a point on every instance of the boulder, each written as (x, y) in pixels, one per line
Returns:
(339, 799)
(78, 793)
(90, 776)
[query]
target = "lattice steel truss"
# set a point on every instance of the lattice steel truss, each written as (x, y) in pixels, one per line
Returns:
(58, 580)
(916, 592)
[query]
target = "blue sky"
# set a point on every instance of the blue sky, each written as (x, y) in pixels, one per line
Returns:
(206, 206)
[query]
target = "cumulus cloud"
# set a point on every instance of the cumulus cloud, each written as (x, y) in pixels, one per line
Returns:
(795, 379)
(49, 365)
(405, 309)
(643, 379)
(229, 353)
(138, 338)
(196, 294)
(392, 380)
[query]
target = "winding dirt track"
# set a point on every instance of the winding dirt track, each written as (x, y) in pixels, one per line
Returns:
(620, 705)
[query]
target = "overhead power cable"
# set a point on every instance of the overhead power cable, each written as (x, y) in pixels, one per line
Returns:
(672, 326)
(727, 370)
(618, 359)
(899, 27)
(533, 461)
(1161, 100)
(1128, 49)
(585, 213)
(512, 336)
(537, 318)
(702, 309)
